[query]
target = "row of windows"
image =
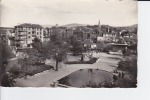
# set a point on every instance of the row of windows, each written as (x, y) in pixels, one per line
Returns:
(34, 33)
(26, 28)
(31, 36)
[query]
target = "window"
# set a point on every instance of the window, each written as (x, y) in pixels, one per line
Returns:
(29, 36)
(28, 45)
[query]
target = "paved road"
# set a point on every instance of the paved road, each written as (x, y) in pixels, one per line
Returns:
(106, 62)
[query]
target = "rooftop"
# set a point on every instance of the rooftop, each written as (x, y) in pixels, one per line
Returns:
(3, 31)
(29, 25)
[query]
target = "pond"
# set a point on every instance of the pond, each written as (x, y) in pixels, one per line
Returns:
(87, 78)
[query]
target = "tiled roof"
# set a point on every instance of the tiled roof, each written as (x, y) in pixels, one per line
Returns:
(29, 25)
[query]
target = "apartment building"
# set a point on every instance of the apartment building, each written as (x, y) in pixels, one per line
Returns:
(25, 34)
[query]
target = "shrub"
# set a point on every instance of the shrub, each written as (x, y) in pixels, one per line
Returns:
(7, 80)
(38, 69)
(126, 83)
(15, 71)
(105, 47)
(130, 66)
(91, 61)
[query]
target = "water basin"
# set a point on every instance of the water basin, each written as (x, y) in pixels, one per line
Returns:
(86, 78)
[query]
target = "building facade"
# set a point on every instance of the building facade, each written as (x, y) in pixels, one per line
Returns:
(25, 34)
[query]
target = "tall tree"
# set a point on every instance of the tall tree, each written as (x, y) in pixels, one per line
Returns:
(77, 46)
(58, 49)
(5, 54)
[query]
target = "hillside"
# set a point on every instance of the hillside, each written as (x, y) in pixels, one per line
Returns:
(73, 25)
(129, 27)
(49, 26)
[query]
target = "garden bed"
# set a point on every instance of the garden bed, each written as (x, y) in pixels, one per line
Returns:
(38, 69)
(30, 70)
(91, 61)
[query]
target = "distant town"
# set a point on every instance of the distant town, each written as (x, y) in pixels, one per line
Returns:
(22, 36)
(46, 56)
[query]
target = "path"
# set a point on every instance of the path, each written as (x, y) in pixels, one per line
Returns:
(12, 62)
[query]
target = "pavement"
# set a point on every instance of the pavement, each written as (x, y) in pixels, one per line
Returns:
(12, 62)
(106, 62)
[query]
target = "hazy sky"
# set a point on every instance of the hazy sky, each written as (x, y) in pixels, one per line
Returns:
(51, 12)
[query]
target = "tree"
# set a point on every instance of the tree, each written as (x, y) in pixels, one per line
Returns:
(5, 54)
(58, 50)
(121, 41)
(126, 52)
(36, 43)
(128, 65)
(32, 56)
(105, 47)
(77, 46)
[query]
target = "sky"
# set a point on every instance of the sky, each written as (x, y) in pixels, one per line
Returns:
(61, 12)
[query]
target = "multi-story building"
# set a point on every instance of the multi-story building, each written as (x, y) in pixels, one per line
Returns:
(62, 32)
(83, 32)
(25, 34)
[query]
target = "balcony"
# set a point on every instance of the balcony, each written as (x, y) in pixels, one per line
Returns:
(33, 35)
(20, 42)
(20, 38)
(21, 30)
(22, 34)
(34, 30)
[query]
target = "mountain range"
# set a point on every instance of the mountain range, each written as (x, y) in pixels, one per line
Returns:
(77, 24)
(73, 25)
